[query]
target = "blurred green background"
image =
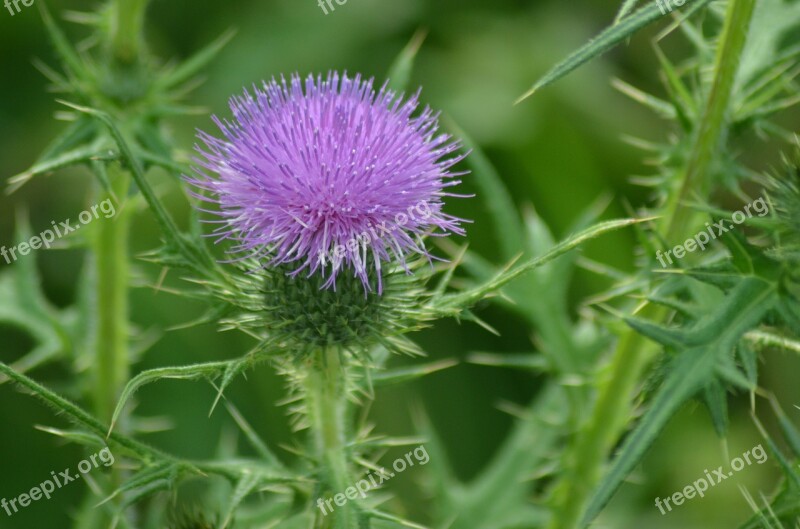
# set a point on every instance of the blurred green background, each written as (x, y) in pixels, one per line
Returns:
(558, 152)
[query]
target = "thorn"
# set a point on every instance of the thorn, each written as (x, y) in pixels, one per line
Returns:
(161, 278)
(526, 95)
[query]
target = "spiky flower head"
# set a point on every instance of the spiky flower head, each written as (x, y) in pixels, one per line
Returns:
(328, 176)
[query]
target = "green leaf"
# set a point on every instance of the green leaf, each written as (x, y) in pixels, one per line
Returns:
(772, 21)
(606, 40)
(162, 469)
(259, 445)
(194, 64)
(526, 361)
(768, 339)
(165, 221)
(79, 155)
(380, 515)
(508, 228)
(455, 303)
(492, 498)
(65, 51)
(790, 431)
(687, 374)
(625, 9)
(401, 375)
(162, 474)
(208, 370)
(24, 306)
(399, 75)
(672, 338)
(714, 338)
(80, 417)
(75, 135)
(716, 400)
(190, 250)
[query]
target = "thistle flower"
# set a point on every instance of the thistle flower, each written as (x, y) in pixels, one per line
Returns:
(328, 177)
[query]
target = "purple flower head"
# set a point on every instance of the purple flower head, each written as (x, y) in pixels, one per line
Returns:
(328, 175)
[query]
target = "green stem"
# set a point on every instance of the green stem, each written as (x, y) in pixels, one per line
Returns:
(110, 251)
(326, 396)
(613, 407)
(111, 328)
(711, 133)
(127, 21)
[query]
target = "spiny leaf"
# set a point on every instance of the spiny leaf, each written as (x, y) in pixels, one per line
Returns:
(768, 339)
(380, 515)
(62, 45)
(606, 40)
(790, 432)
(67, 141)
(508, 229)
(399, 74)
(687, 374)
(673, 338)
(693, 367)
(625, 9)
(716, 400)
(80, 155)
(81, 437)
(25, 306)
(192, 251)
(657, 105)
(255, 441)
(160, 472)
(772, 20)
(141, 452)
(488, 500)
(727, 371)
(167, 224)
(683, 102)
(192, 372)
(526, 361)
(78, 416)
(232, 370)
(406, 374)
(459, 301)
(245, 486)
(195, 63)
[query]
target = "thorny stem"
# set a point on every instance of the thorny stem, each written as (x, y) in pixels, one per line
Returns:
(110, 252)
(127, 21)
(613, 407)
(112, 355)
(326, 396)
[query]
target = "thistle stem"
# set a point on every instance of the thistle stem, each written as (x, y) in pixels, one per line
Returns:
(112, 355)
(713, 127)
(614, 407)
(327, 410)
(127, 21)
(110, 252)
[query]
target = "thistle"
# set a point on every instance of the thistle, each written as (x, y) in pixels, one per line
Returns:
(325, 193)
(328, 176)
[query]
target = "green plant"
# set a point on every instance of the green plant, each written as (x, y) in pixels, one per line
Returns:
(697, 332)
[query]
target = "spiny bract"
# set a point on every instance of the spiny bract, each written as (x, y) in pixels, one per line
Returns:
(328, 175)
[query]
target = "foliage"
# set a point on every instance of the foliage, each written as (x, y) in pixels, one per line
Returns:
(616, 372)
